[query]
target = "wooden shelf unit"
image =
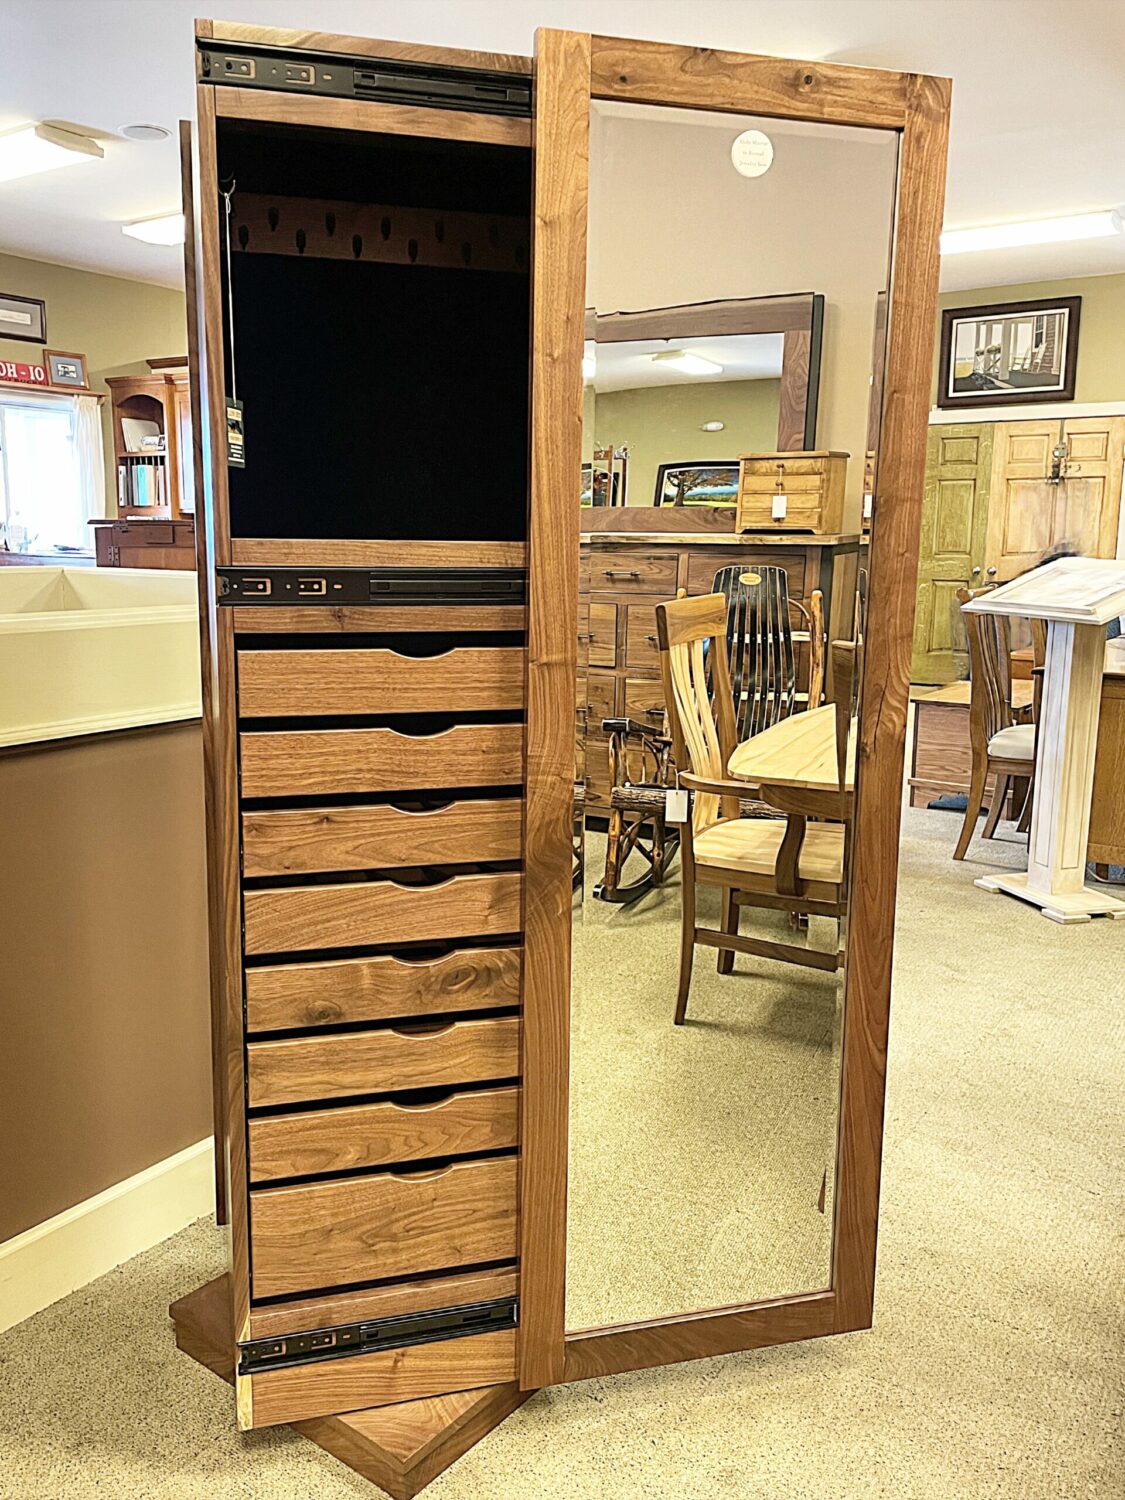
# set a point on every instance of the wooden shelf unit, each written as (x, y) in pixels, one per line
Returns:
(163, 397)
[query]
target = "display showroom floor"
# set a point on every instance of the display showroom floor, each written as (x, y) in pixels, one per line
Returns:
(994, 1368)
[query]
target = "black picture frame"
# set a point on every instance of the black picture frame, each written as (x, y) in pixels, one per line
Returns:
(37, 333)
(703, 464)
(991, 389)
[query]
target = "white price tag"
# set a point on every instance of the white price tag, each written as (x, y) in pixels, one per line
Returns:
(676, 805)
(780, 506)
(868, 502)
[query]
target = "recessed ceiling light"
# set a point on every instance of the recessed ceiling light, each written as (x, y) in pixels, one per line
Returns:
(712, 426)
(144, 132)
(42, 148)
(1094, 226)
(686, 363)
(165, 229)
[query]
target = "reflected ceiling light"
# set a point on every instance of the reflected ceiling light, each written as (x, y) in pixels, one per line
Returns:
(1094, 226)
(686, 363)
(589, 366)
(165, 229)
(712, 427)
(42, 148)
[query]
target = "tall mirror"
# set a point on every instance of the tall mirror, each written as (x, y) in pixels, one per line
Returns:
(736, 291)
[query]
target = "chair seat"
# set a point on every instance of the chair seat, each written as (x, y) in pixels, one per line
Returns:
(1017, 742)
(750, 845)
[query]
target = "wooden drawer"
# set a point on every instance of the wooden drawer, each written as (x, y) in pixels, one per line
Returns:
(367, 913)
(791, 466)
(391, 1224)
(600, 698)
(390, 1060)
(313, 762)
(644, 701)
(764, 484)
(626, 570)
(755, 513)
(147, 534)
(183, 534)
(321, 839)
(382, 1134)
(641, 645)
(603, 635)
(282, 997)
(705, 562)
(308, 683)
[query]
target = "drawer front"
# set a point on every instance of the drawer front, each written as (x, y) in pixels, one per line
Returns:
(308, 683)
(603, 635)
(368, 1228)
(795, 465)
(703, 564)
(600, 698)
(765, 483)
(284, 997)
(644, 701)
(622, 570)
(325, 761)
(149, 534)
(321, 839)
(598, 781)
(382, 1134)
(755, 513)
(641, 645)
(389, 1061)
(374, 912)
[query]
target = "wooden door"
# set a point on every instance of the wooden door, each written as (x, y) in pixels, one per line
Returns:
(1089, 499)
(954, 515)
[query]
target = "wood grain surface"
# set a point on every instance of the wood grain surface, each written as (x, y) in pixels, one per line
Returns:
(304, 40)
(333, 552)
(344, 619)
(311, 683)
(306, 1314)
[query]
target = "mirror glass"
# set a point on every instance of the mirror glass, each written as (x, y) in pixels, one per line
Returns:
(736, 321)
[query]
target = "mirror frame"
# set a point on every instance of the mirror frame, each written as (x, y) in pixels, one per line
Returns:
(572, 69)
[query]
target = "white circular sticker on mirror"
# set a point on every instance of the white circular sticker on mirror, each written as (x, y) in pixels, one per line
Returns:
(752, 153)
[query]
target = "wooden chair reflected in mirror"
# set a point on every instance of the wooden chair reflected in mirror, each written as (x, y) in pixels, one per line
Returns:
(795, 862)
(1001, 746)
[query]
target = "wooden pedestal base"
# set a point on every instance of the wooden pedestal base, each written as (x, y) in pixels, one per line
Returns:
(400, 1448)
(1058, 906)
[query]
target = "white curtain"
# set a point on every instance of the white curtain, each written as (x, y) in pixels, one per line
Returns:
(90, 455)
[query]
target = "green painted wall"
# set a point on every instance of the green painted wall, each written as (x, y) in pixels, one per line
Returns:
(1101, 330)
(661, 424)
(116, 324)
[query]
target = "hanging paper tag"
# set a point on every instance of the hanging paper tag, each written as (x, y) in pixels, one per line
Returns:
(868, 502)
(780, 506)
(236, 448)
(676, 805)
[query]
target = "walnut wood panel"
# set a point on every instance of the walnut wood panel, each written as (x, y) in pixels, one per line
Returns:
(561, 159)
(379, 912)
(346, 619)
(391, 1376)
(736, 315)
(310, 840)
(602, 620)
(307, 1314)
(644, 700)
(362, 46)
(793, 392)
(334, 229)
(628, 570)
(335, 552)
(1107, 802)
(281, 997)
(308, 762)
(382, 1134)
(640, 637)
(782, 87)
(328, 113)
(704, 562)
(465, 679)
(387, 1061)
(328, 1234)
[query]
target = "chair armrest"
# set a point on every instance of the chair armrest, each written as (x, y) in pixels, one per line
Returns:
(715, 788)
(809, 802)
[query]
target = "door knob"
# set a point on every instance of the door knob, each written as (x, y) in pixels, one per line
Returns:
(992, 572)
(976, 572)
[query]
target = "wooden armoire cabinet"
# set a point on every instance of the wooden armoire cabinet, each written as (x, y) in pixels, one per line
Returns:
(389, 584)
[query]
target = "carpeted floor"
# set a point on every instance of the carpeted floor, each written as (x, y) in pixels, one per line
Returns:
(994, 1369)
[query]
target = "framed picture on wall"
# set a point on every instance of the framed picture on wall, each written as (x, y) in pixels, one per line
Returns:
(66, 369)
(23, 318)
(1009, 353)
(599, 487)
(703, 483)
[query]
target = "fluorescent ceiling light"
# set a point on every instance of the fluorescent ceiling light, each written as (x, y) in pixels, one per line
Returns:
(686, 363)
(165, 229)
(1037, 232)
(42, 148)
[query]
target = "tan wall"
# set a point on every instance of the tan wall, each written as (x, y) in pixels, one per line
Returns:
(661, 424)
(116, 324)
(1101, 330)
(105, 1060)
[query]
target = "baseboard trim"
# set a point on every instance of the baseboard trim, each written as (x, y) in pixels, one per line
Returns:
(55, 1258)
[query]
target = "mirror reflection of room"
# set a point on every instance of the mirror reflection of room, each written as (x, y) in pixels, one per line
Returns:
(732, 378)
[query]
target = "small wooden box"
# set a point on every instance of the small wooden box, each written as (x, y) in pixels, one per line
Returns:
(811, 483)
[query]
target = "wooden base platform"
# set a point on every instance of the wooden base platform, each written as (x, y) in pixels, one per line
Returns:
(1057, 906)
(400, 1448)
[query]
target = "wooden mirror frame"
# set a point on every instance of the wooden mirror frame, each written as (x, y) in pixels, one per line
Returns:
(572, 69)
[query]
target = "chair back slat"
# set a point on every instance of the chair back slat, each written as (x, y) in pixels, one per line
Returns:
(990, 670)
(759, 645)
(697, 690)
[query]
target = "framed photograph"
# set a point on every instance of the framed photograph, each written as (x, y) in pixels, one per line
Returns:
(66, 369)
(704, 483)
(23, 318)
(599, 487)
(1009, 354)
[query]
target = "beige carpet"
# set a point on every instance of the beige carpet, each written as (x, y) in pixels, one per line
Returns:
(994, 1369)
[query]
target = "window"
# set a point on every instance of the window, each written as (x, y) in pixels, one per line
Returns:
(42, 503)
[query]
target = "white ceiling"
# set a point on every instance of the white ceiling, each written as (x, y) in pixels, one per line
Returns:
(1038, 120)
(630, 366)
